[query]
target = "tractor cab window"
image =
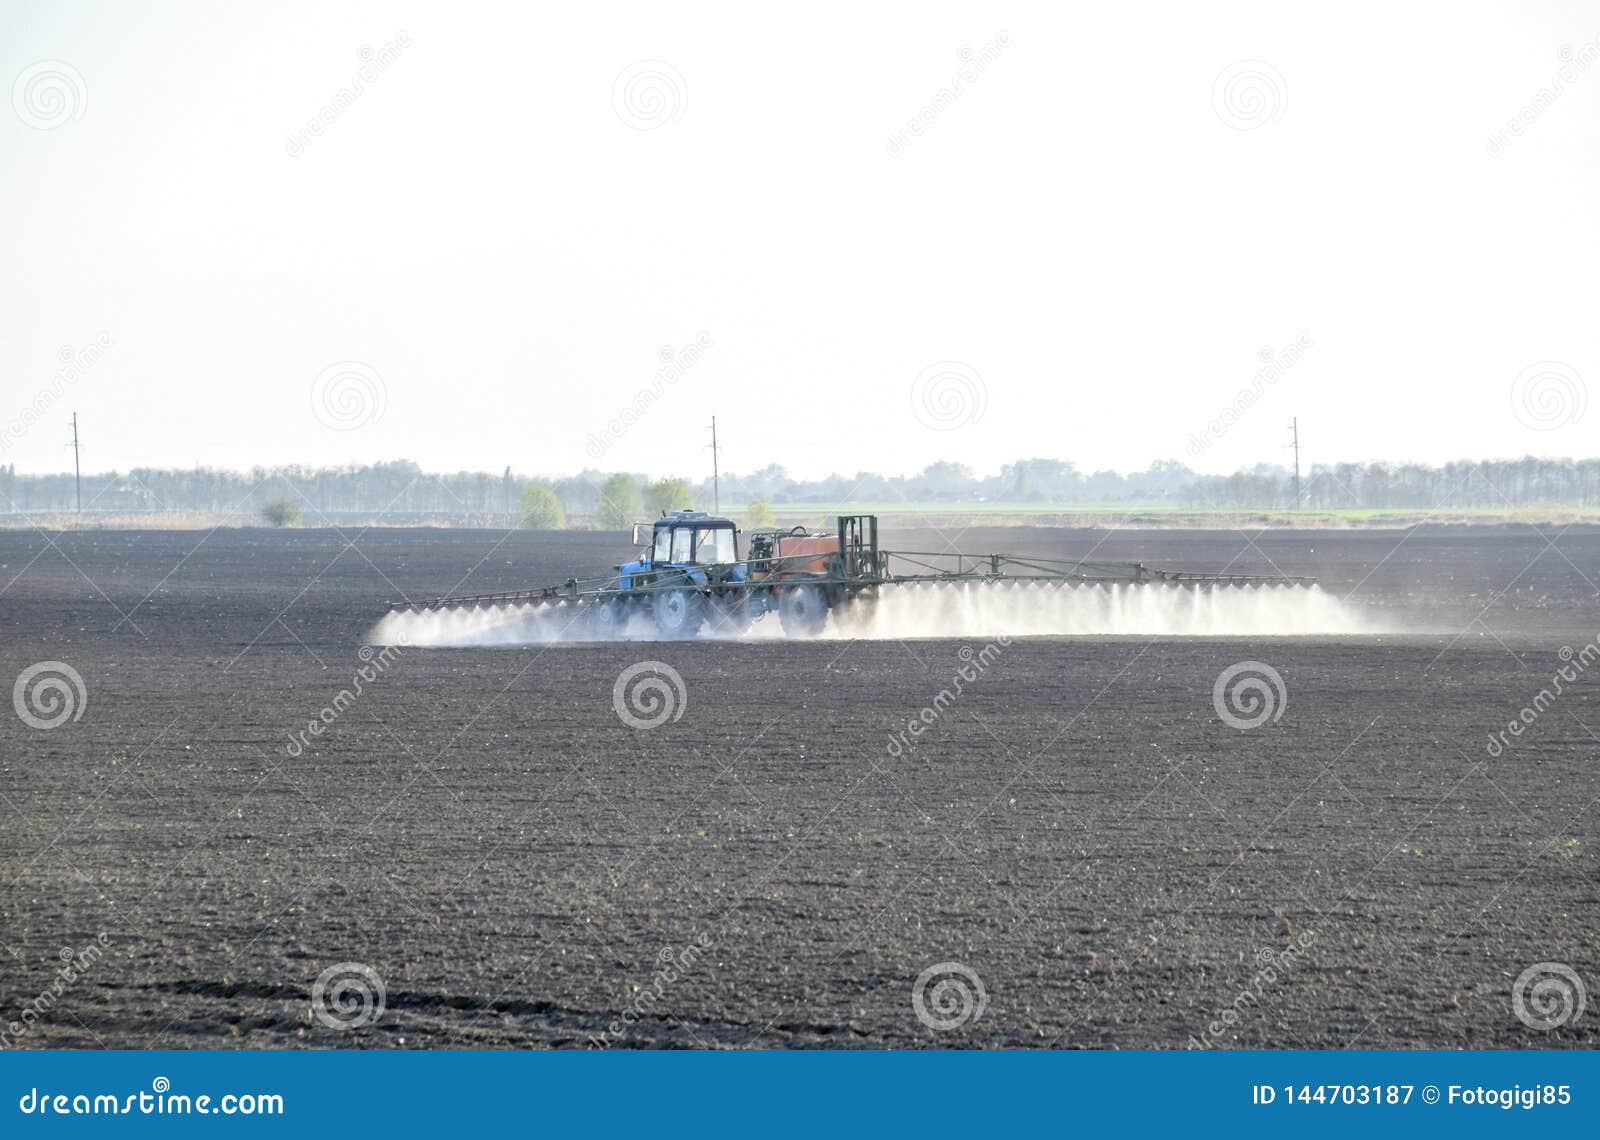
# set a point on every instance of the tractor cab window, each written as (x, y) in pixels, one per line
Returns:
(663, 550)
(682, 536)
(714, 545)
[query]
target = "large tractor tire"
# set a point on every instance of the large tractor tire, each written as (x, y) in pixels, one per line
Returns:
(803, 610)
(679, 613)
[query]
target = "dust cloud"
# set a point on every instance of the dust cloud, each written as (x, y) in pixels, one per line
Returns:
(932, 611)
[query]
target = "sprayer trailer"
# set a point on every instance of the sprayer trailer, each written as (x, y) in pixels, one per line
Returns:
(690, 574)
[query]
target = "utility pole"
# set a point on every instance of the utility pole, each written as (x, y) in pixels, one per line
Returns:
(77, 470)
(716, 478)
(1294, 428)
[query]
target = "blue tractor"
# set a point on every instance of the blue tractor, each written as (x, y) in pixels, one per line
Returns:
(699, 555)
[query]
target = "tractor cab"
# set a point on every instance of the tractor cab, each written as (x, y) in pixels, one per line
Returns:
(700, 546)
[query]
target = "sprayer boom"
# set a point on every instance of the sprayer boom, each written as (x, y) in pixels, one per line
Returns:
(691, 573)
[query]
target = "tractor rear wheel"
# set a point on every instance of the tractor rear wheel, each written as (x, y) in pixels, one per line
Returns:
(679, 613)
(803, 610)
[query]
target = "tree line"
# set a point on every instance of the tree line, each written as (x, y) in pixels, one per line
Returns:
(401, 491)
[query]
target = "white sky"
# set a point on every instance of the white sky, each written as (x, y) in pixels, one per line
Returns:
(1080, 227)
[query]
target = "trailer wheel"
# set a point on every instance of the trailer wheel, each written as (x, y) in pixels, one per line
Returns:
(679, 613)
(803, 610)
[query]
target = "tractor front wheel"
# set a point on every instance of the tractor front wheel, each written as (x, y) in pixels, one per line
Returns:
(679, 613)
(803, 610)
(608, 619)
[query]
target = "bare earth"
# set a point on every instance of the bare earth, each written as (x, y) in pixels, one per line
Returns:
(517, 866)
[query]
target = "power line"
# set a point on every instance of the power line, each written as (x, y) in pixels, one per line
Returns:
(1294, 429)
(77, 470)
(716, 490)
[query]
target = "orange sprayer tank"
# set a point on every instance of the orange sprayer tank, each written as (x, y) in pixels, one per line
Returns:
(805, 554)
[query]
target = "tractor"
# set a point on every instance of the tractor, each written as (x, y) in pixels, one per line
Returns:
(689, 574)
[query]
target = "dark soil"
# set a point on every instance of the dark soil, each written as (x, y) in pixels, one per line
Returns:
(518, 866)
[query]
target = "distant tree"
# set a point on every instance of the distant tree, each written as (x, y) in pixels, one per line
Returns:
(540, 509)
(619, 503)
(758, 514)
(947, 478)
(668, 495)
(281, 512)
(1040, 478)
